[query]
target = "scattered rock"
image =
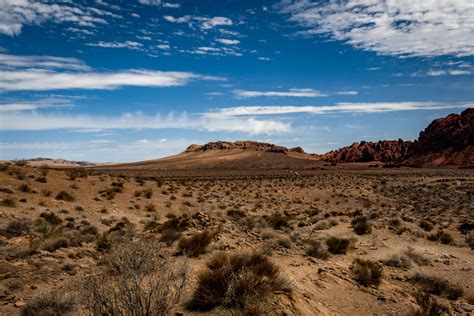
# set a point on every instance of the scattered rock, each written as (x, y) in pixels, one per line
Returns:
(20, 303)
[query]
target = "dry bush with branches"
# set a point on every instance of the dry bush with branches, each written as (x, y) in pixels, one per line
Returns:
(137, 281)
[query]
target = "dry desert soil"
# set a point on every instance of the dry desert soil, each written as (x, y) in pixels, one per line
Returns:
(320, 242)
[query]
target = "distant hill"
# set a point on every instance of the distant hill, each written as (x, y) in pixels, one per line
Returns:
(446, 141)
(56, 163)
(237, 155)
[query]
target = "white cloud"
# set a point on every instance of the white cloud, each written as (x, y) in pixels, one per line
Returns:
(305, 93)
(126, 44)
(394, 27)
(35, 105)
(338, 108)
(14, 14)
(347, 93)
(25, 121)
(454, 72)
(36, 73)
(21, 80)
(216, 21)
(45, 62)
(150, 2)
(164, 46)
(171, 5)
(228, 41)
(183, 19)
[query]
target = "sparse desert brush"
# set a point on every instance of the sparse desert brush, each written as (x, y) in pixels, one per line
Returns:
(470, 241)
(150, 208)
(416, 257)
(55, 244)
(277, 220)
(103, 243)
(8, 202)
(317, 249)
(169, 236)
(437, 286)
(361, 225)
(366, 272)
(41, 179)
(442, 237)
(15, 228)
(236, 213)
(338, 246)
(399, 261)
(196, 244)
(25, 188)
(466, 227)
(65, 196)
(425, 225)
(242, 281)
(137, 281)
(48, 304)
(429, 306)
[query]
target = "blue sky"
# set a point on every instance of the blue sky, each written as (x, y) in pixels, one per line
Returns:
(132, 80)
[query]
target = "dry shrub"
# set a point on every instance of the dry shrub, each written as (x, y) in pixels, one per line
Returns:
(169, 236)
(278, 221)
(416, 257)
(338, 246)
(398, 261)
(437, 286)
(318, 250)
(243, 281)
(425, 225)
(429, 306)
(8, 202)
(366, 272)
(442, 237)
(196, 245)
(15, 228)
(48, 304)
(137, 281)
(65, 196)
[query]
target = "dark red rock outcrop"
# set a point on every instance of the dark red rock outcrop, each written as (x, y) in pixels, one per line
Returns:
(446, 141)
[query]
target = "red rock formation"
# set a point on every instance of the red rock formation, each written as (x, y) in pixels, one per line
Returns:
(446, 141)
(385, 151)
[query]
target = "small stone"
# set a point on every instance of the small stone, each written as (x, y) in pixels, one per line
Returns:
(20, 303)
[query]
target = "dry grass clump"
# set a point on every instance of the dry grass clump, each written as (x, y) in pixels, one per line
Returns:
(136, 281)
(15, 228)
(425, 225)
(442, 237)
(8, 202)
(470, 241)
(429, 306)
(196, 245)
(65, 196)
(366, 272)
(361, 225)
(243, 281)
(317, 249)
(437, 286)
(277, 220)
(48, 304)
(406, 259)
(338, 246)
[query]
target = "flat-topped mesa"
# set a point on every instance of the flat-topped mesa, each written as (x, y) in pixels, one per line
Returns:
(244, 145)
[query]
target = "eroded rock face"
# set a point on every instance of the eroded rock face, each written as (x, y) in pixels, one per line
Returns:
(251, 145)
(385, 151)
(446, 141)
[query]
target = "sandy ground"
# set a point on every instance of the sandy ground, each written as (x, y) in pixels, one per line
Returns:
(315, 205)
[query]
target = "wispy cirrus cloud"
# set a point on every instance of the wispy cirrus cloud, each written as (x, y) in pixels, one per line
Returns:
(34, 105)
(45, 62)
(14, 14)
(338, 108)
(227, 41)
(403, 28)
(302, 93)
(205, 23)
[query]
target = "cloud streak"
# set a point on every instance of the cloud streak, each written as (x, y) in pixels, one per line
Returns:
(338, 108)
(25, 121)
(301, 93)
